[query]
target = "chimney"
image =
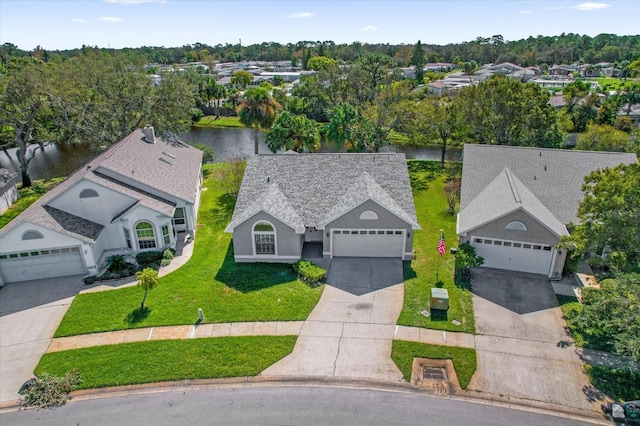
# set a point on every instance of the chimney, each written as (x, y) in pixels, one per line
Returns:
(149, 134)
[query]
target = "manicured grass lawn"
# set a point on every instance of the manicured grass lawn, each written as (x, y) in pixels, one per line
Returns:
(421, 275)
(164, 360)
(464, 360)
(610, 83)
(211, 121)
(28, 196)
(226, 291)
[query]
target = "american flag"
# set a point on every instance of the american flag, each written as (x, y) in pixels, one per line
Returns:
(442, 246)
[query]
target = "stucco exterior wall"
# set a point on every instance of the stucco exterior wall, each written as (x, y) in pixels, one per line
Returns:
(131, 219)
(288, 243)
(99, 209)
(386, 220)
(535, 233)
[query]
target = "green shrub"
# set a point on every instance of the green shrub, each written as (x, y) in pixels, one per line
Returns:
(209, 153)
(90, 279)
(309, 272)
(165, 262)
(116, 263)
(168, 254)
(148, 257)
(620, 384)
(46, 391)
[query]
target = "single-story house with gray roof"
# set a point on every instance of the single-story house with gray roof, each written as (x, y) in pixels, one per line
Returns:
(516, 202)
(136, 196)
(351, 205)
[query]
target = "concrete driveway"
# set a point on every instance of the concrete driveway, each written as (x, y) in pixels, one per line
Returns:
(522, 347)
(350, 331)
(30, 312)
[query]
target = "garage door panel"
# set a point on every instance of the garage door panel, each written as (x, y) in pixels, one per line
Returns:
(368, 243)
(514, 257)
(35, 267)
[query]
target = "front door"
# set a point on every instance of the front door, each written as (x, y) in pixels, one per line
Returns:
(180, 219)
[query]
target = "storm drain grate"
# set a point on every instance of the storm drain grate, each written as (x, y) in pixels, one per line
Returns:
(434, 374)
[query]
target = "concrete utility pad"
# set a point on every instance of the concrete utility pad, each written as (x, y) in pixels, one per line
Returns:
(361, 275)
(522, 347)
(30, 312)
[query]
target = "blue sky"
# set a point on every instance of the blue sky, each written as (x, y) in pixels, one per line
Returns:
(133, 23)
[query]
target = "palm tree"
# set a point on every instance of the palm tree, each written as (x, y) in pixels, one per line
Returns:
(257, 109)
(295, 132)
(340, 127)
(147, 280)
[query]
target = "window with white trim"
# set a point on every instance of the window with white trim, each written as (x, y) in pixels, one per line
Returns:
(165, 234)
(264, 238)
(32, 235)
(89, 193)
(146, 235)
(179, 216)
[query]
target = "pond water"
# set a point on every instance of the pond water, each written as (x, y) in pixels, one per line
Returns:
(63, 159)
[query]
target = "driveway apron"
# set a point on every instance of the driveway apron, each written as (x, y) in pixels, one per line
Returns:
(30, 312)
(522, 348)
(350, 331)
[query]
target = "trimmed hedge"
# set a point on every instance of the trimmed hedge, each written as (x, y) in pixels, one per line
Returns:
(309, 273)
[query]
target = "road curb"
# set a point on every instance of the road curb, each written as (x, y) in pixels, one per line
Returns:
(258, 381)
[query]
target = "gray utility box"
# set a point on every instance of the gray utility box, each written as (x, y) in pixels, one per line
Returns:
(439, 299)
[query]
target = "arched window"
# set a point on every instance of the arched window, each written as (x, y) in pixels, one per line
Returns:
(146, 235)
(517, 226)
(264, 238)
(368, 215)
(32, 235)
(89, 193)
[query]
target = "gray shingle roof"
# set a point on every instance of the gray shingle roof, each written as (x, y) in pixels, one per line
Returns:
(74, 224)
(504, 195)
(140, 155)
(554, 176)
(315, 186)
(171, 167)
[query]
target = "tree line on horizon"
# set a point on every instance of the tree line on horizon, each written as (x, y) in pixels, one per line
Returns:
(565, 48)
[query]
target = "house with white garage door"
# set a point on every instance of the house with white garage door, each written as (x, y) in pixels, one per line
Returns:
(352, 205)
(136, 196)
(516, 202)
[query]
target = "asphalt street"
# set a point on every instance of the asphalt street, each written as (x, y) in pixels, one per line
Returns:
(299, 405)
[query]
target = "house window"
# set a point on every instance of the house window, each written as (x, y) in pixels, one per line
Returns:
(179, 216)
(146, 236)
(264, 238)
(165, 235)
(89, 193)
(516, 226)
(368, 215)
(546, 248)
(127, 237)
(32, 235)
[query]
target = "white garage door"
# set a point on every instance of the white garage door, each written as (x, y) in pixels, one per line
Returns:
(520, 256)
(368, 242)
(35, 265)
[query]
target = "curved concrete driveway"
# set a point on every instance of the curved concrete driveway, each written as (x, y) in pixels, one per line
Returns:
(350, 331)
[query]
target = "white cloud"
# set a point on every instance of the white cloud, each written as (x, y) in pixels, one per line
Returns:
(369, 28)
(110, 19)
(591, 6)
(525, 12)
(301, 15)
(78, 21)
(134, 1)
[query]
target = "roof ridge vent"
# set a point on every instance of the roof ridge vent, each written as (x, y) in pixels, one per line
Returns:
(512, 185)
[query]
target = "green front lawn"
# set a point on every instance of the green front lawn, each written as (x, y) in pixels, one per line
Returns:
(164, 360)
(620, 384)
(464, 360)
(225, 290)
(423, 273)
(28, 196)
(211, 121)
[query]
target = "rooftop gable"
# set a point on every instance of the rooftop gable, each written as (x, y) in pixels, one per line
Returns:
(554, 176)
